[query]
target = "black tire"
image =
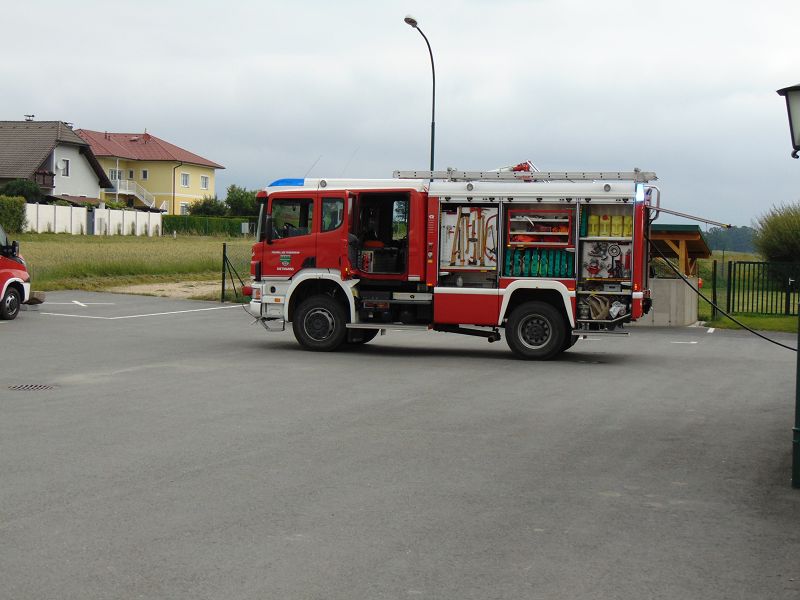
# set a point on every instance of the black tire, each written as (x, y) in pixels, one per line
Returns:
(358, 337)
(9, 308)
(536, 331)
(569, 341)
(319, 324)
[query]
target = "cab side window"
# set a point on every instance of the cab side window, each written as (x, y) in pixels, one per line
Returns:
(332, 212)
(292, 217)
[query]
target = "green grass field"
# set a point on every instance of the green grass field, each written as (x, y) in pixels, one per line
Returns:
(61, 261)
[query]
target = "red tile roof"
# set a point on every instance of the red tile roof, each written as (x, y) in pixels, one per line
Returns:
(140, 146)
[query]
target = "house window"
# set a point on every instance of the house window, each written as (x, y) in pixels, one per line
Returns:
(144, 174)
(184, 208)
(184, 180)
(65, 168)
(204, 182)
(114, 174)
(130, 174)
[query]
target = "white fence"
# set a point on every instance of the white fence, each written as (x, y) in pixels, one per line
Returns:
(49, 218)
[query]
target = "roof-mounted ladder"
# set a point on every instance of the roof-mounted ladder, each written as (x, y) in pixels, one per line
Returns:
(636, 175)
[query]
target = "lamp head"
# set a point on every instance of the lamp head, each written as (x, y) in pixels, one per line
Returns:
(792, 95)
(411, 21)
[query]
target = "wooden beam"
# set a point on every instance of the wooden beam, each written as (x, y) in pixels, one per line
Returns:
(676, 236)
(672, 245)
(683, 257)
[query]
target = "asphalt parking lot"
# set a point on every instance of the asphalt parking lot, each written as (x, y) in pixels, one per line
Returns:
(179, 452)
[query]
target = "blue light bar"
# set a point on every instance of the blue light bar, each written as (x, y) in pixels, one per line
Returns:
(288, 182)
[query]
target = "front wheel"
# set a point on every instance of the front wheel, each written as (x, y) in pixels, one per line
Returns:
(319, 324)
(9, 308)
(569, 341)
(536, 330)
(361, 336)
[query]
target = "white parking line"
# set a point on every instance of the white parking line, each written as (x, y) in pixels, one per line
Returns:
(79, 303)
(683, 342)
(174, 312)
(711, 330)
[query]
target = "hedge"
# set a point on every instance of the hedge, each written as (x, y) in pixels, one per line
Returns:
(201, 225)
(12, 213)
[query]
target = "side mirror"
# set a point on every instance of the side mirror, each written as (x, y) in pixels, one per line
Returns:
(269, 232)
(15, 248)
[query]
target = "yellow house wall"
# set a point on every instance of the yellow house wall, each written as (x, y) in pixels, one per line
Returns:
(159, 180)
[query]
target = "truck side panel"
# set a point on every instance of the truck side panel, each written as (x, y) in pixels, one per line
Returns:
(466, 306)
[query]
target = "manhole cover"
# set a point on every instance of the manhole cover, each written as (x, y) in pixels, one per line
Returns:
(31, 387)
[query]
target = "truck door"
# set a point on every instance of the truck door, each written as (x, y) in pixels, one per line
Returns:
(333, 229)
(293, 244)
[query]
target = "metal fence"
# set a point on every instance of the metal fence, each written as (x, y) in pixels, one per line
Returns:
(235, 271)
(762, 288)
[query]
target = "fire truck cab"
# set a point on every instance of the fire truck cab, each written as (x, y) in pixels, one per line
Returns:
(15, 287)
(544, 256)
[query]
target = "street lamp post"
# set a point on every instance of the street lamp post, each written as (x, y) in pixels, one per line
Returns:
(792, 95)
(413, 22)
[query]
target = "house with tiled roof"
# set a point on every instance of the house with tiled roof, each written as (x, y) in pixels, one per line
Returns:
(147, 171)
(51, 154)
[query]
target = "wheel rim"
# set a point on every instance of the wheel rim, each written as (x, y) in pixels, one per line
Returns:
(319, 324)
(12, 304)
(534, 331)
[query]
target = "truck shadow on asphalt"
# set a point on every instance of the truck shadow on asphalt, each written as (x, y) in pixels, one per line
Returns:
(495, 352)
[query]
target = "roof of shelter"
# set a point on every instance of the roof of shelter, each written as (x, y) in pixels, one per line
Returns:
(690, 234)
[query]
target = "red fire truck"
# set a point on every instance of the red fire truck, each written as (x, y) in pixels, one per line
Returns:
(15, 287)
(547, 257)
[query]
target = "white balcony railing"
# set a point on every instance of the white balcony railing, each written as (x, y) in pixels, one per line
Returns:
(128, 186)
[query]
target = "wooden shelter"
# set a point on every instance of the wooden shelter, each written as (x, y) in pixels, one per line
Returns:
(682, 242)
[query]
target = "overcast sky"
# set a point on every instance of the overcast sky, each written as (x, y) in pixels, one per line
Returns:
(269, 89)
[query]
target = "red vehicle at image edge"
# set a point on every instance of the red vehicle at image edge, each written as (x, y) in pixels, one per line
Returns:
(14, 279)
(548, 257)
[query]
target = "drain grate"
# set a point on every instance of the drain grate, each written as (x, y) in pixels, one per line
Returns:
(31, 387)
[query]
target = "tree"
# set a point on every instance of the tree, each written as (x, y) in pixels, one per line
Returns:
(777, 236)
(209, 206)
(241, 202)
(23, 187)
(733, 239)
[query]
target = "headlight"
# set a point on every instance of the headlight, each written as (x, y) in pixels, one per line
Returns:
(20, 260)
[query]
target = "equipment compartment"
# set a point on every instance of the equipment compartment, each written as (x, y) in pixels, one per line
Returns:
(533, 227)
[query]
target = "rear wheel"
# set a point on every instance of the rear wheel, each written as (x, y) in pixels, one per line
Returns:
(9, 308)
(319, 324)
(536, 330)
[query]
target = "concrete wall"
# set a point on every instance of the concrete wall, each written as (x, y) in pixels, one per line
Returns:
(44, 218)
(49, 218)
(674, 304)
(126, 222)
